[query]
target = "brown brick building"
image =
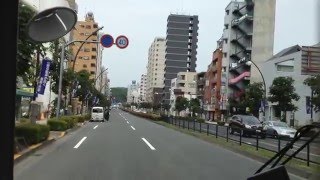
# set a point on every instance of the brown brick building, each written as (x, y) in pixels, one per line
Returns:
(87, 58)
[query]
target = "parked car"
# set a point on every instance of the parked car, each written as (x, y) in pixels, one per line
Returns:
(278, 128)
(250, 125)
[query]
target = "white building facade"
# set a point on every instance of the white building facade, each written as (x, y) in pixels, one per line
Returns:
(297, 62)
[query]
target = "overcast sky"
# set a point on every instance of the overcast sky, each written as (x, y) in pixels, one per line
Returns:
(143, 20)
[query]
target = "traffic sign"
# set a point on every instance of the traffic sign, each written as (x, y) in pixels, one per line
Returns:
(106, 40)
(122, 42)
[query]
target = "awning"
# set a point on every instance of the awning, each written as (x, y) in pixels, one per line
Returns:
(23, 93)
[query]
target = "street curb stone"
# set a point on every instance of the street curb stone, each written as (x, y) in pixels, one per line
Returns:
(28, 153)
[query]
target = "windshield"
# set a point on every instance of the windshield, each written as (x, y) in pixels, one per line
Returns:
(157, 89)
(97, 110)
(250, 120)
(280, 124)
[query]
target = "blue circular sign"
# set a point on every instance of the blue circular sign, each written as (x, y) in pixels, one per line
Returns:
(106, 41)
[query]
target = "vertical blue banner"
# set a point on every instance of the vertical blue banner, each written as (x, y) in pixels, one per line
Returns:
(44, 73)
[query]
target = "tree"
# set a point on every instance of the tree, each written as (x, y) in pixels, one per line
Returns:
(181, 104)
(119, 93)
(26, 48)
(253, 96)
(194, 106)
(314, 83)
(282, 92)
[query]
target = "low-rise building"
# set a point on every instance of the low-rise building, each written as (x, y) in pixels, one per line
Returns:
(298, 62)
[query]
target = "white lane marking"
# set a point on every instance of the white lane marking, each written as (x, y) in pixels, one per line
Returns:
(133, 128)
(127, 122)
(79, 143)
(95, 127)
(150, 146)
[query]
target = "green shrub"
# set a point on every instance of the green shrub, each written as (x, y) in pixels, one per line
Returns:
(57, 125)
(200, 120)
(81, 119)
(24, 120)
(70, 120)
(87, 117)
(33, 133)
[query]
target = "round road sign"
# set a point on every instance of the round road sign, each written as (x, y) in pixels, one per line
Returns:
(106, 41)
(122, 42)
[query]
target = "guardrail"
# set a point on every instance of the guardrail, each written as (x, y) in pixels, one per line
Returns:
(222, 131)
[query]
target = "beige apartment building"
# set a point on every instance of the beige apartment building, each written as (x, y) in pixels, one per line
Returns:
(155, 70)
(89, 57)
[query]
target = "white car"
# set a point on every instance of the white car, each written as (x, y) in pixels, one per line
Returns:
(278, 128)
(97, 114)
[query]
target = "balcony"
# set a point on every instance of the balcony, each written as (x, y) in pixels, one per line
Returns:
(243, 18)
(243, 41)
(242, 76)
(201, 82)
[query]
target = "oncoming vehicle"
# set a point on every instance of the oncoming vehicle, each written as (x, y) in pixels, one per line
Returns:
(97, 114)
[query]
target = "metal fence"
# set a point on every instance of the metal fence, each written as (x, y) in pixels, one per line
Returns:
(270, 144)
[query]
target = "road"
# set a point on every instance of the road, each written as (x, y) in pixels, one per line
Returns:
(128, 147)
(267, 143)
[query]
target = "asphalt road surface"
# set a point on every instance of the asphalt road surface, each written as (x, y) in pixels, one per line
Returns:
(128, 147)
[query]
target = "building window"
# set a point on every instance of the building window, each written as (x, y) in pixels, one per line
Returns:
(94, 49)
(227, 12)
(84, 66)
(227, 26)
(81, 34)
(93, 65)
(80, 57)
(85, 57)
(86, 50)
(156, 54)
(183, 77)
(156, 64)
(95, 26)
(285, 68)
(93, 57)
(225, 41)
(92, 72)
(155, 79)
(88, 27)
(224, 54)
(81, 25)
(157, 59)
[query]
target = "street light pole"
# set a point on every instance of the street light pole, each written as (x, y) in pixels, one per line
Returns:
(264, 84)
(61, 71)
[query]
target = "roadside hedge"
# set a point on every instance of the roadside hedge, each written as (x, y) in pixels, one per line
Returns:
(57, 125)
(32, 133)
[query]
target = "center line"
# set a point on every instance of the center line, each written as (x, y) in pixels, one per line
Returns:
(150, 146)
(79, 143)
(127, 122)
(95, 127)
(133, 128)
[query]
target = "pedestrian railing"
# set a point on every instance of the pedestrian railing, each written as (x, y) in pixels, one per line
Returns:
(222, 131)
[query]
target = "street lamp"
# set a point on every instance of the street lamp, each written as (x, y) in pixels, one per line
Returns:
(249, 63)
(61, 71)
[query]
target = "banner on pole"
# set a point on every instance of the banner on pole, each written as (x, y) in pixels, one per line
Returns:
(44, 74)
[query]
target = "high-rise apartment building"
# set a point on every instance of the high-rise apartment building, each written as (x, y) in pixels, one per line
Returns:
(143, 87)
(155, 70)
(247, 36)
(133, 93)
(87, 58)
(181, 48)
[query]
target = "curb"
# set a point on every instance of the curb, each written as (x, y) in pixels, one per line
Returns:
(28, 153)
(42, 145)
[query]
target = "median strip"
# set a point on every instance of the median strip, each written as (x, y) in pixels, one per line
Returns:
(79, 143)
(150, 146)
